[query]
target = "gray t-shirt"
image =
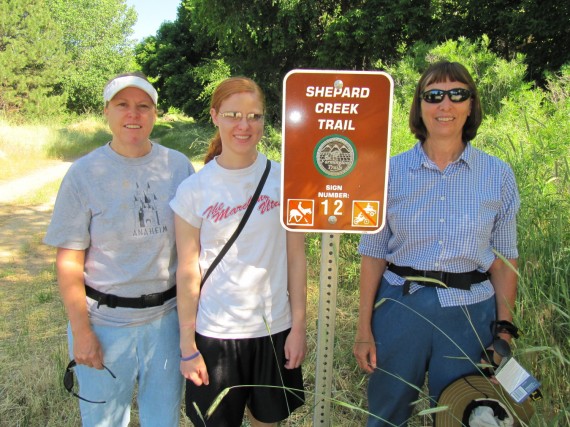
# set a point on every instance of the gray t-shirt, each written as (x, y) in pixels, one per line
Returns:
(116, 209)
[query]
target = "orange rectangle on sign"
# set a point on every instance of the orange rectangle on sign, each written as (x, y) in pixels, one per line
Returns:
(335, 150)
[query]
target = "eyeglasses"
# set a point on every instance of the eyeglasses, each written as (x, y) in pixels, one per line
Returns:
(236, 116)
(68, 381)
(435, 96)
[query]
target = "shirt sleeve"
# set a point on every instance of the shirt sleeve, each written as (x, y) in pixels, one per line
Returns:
(71, 219)
(504, 234)
(184, 203)
(375, 245)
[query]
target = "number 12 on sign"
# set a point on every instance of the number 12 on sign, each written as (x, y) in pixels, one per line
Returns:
(335, 207)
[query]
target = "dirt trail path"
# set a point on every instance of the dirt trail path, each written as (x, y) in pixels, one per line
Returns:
(14, 189)
(21, 225)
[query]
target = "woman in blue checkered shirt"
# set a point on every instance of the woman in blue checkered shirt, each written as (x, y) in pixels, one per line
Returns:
(431, 282)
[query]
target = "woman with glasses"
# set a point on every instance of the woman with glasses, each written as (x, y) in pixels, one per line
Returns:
(116, 264)
(244, 329)
(435, 278)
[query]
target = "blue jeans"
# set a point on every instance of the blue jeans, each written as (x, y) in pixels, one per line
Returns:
(409, 345)
(149, 355)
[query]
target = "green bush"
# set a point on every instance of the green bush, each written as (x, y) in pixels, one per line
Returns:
(495, 78)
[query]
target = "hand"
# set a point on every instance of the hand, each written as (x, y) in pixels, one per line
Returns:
(496, 354)
(87, 350)
(295, 348)
(195, 370)
(365, 351)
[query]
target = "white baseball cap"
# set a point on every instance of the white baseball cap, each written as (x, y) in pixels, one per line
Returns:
(120, 83)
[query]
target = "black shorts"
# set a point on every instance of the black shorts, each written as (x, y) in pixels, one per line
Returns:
(251, 361)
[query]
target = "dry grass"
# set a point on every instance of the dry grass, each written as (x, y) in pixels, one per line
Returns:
(22, 150)
(26, 148)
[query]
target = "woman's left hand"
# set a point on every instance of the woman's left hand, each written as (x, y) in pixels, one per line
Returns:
(295, 348)
(195, 370)
(496, 357)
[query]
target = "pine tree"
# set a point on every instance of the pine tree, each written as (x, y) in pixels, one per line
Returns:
(32, 59)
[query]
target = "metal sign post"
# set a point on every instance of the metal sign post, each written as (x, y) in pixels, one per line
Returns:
(335, 155)
(326, 328)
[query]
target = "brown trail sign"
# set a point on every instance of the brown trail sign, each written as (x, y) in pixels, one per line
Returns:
(335, 151)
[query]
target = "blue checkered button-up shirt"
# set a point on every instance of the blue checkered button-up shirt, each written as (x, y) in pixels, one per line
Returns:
(447, 221)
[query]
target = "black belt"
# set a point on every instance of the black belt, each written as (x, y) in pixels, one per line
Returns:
(452, 280)
(144, 301)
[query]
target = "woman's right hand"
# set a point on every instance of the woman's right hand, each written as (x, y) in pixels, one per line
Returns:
(70, 265)
(195, 371)
(87, 350)
(188, 277)
(371, 271)
(365, 351)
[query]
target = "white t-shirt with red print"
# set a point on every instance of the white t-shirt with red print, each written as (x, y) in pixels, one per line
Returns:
(246, 295)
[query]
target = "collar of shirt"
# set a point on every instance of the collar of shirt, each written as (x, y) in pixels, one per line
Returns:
(421, 159)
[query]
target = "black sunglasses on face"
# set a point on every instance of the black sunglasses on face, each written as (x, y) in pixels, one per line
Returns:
(68, 381)
(435, 96)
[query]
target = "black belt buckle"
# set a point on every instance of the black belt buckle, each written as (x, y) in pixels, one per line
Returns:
(443, 278)
(110, 300)
(152, 300)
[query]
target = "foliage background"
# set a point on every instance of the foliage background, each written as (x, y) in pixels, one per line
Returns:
(55, 55)
(266, 39)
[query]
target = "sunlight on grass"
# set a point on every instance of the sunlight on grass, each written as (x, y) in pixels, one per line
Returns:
(22, 149)
(44, 195)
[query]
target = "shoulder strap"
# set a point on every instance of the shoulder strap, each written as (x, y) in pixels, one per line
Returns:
(241, 224)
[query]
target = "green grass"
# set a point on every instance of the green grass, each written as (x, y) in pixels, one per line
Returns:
(33, 349)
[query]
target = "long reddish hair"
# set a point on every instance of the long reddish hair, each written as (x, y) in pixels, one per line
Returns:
(224, 90)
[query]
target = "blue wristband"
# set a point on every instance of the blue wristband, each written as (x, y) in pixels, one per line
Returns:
(192, 356)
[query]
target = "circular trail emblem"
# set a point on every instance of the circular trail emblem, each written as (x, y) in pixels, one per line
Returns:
(335, 156)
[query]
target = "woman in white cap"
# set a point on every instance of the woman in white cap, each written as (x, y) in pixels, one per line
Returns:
(116, 263)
